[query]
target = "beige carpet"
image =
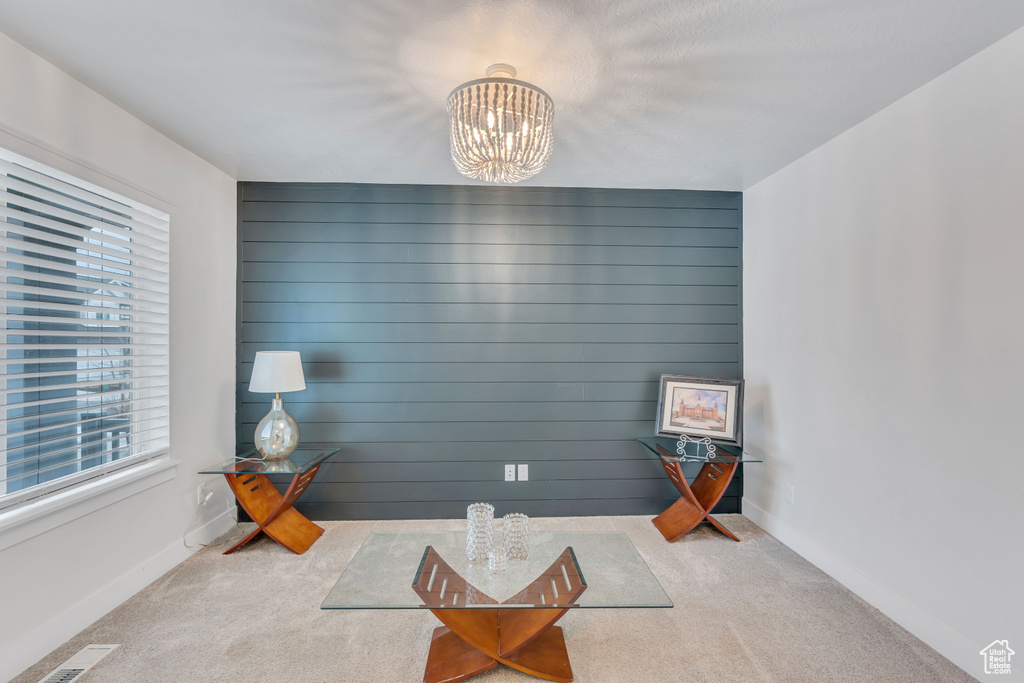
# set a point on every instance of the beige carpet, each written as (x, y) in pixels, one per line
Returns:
(750, 611)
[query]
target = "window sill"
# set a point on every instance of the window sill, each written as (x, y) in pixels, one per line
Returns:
(33, 519)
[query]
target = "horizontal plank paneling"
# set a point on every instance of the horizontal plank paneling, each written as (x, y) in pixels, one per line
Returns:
(384, 493)
(523, 196)
(493, 214)
(565, 452)
(563, 507)
(399, 254)
(508, 352)
(493, 273)
(647, 314)
(441, 392)
(458, 411)
(482, 470)
(490, 451)
(400, 292)
(524, 432)
(491, 472)
(446, 392)
(468, 293)
(577, 489)
(491, 333)
(405, 233)
(317, 367)
(447, 331)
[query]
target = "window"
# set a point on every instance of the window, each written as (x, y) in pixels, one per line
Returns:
(84, 317)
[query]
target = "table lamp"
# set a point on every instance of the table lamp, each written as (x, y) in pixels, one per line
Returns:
(277, 434)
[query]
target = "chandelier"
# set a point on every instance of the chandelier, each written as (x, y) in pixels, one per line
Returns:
(501, 127)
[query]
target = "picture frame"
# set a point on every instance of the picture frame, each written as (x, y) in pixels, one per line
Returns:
(701, 407)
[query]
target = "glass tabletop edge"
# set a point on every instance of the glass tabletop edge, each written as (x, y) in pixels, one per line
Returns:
(258, 465)
(670, 605)
(726, 456)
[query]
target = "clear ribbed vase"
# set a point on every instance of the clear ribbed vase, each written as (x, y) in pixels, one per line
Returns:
(497, 560)
(515, 531)
(479, 531)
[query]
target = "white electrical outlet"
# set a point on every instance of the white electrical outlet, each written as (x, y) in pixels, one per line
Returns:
(790, 494)
(524, 473)
(203, 492)
(510, 472)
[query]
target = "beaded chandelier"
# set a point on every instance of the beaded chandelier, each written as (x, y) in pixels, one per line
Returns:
(501, 127)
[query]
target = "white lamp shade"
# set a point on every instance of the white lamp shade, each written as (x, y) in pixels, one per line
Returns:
(276, 371)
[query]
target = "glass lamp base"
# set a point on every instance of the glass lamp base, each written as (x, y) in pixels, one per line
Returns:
(277, 434)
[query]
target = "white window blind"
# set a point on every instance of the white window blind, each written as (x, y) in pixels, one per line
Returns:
(84, 299)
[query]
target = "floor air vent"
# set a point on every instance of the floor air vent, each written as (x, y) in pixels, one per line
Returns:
(85, 659)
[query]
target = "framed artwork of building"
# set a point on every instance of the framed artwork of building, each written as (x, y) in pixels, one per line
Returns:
(701, 406)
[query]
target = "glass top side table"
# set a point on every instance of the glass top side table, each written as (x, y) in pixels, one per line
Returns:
(273, 513)
(490, 619)
(699, 498)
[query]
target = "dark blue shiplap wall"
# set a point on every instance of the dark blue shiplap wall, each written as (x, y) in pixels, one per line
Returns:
(447, 331)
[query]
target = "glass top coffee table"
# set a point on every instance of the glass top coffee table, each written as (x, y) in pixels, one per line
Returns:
(506, 618)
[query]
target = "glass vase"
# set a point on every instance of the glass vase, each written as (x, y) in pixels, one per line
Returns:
(497, 560)
(515, 531)
(479, 531)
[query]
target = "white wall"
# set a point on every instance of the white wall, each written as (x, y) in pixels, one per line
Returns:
(884, 356)
(56, 583)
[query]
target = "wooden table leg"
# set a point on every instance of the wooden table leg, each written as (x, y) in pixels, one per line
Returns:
(476, 640)
(452, 659)
(272, 512)
(696, 500)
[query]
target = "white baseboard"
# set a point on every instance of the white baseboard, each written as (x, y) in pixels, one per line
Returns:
(212, 530)
(44, 639)
(937, 635)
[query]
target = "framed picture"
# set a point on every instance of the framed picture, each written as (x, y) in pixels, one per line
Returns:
(699, 407)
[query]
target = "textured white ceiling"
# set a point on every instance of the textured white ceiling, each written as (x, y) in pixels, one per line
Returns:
(698, 94)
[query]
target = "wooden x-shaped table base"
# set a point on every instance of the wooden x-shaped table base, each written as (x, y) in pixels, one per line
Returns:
(697, 500)
(476, 640)
(272, 512)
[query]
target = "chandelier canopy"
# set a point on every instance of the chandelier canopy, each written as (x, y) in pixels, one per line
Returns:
(501, 127)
